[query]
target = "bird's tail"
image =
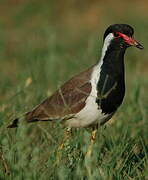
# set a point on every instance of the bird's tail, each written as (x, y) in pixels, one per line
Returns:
(31, 116)
(27, 116)
(14, 123)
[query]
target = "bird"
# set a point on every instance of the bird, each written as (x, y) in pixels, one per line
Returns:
(93, 96)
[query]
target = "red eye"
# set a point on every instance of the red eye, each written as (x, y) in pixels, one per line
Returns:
(116, 35)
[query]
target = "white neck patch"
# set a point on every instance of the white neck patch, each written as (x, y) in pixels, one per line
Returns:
(96, 71)
(107, 42)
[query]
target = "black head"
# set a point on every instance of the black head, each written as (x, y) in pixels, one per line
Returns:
(122, 28)
(123, 35)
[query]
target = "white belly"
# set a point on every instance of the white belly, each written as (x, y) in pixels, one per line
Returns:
(89, 115)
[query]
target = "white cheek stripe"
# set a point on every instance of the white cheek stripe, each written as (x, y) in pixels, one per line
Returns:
(96, 71)
(107, 42)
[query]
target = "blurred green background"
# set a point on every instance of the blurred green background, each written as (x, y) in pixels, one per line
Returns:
(43, 44)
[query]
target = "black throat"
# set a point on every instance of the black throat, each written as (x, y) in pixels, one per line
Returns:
(111, 85)
(113, 61)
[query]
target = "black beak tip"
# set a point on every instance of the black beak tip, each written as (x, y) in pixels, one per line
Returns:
(139, 46)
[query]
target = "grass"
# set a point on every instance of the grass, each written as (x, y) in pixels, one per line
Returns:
(35, 60)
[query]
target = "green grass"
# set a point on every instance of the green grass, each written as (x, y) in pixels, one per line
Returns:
(46, 55)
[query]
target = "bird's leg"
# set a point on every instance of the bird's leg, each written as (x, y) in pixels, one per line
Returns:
(67, 135)
(92, 140)
(65, 141)
(93, 136)
(90, 150)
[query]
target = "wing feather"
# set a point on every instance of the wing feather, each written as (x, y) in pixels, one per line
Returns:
(66, 101)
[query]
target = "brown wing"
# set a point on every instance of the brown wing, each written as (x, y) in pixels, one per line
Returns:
(66, 101)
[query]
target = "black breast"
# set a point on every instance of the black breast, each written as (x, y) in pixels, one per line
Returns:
(111, 90)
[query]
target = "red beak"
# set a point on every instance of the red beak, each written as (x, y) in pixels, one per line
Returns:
(131, 41)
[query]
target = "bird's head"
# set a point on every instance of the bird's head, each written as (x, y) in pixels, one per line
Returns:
(121, 35)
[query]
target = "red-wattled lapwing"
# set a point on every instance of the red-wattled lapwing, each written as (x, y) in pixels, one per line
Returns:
(94, 95)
